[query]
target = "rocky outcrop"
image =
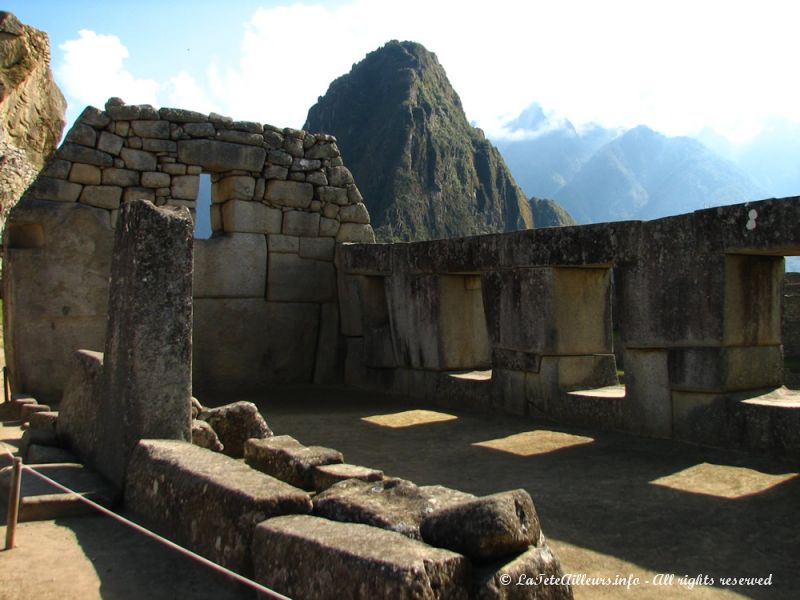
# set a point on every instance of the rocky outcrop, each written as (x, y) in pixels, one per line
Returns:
(31, 108)
(425, 173)
(549, 213)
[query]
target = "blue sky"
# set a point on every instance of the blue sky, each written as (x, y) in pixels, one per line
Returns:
(681, 67)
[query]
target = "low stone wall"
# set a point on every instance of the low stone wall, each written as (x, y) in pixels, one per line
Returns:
(265, 281)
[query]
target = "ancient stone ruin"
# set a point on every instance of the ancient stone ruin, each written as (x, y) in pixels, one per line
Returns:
(291, 288)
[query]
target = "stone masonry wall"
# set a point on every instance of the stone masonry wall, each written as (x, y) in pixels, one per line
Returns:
(264, 284)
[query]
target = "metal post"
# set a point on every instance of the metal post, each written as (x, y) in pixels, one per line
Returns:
(6, 389)
(13, 503)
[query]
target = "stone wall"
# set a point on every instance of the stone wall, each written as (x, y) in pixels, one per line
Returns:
(264, 284)
(699, 323)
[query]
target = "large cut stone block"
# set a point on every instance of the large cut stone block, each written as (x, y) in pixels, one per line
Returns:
(648, 397)
(295, 279)
(55, 190)
(275, 342)
(725, 369)
(548, 310)
(485, 528)
(250, 217)
(753, 290)
(77, 419)
(394, 504)
(533, 568)
(230, 266)
(308, 557)
(55, 277)
(293, 194)
(204, 500)
(291, 463)
(147, 383)
(221, 156)
(234, 187)
(236, 423)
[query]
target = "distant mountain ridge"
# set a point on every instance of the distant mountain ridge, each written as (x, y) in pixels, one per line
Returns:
(600, 175)
(424, 172)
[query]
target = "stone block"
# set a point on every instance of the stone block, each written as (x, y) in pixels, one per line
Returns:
(485, 528)
(354, 213)
(317, 178)
(275, 342)
(219, 156)
(108, 142)
(221, 499)
(648, 397)
(155, 179)
(301, 223)
(323, 150)
(393, 504)
(82, 154)
(86, 174)
(292, 194)
(31, 409)
(58, 169)
(357, 233)
(138, 193)
(283, 244)
(151, 129)
(181, 115)
(173, 169)
(199, 129)
(275, 172)
(308, 557)
(305, 164)
(81, 134)
(147, 362)
(152, 145)
(328, 227)
(327, 475)
(138, 160)
(120, 177)
(340, 176)
(725, 369)
(250, 217)
(293, 464)
(753, 291)
(42, 455)
(317, 248)
(203, 435)
(241, 137)
(232, 265)
(46, 420)
(55, 190)
(59, 292)
(101, 196)
(185, 187)
(236, 423)
(94, 117)
(499, 581)
(332, 195)
(295, 279)
(236, 187)
(329, 363)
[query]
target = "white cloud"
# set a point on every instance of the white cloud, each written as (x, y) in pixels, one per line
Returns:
(93, 70)
(678, 66)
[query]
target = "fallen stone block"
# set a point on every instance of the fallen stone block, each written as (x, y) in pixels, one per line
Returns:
(309, 557)
(485, 528)
(28, 409)
(18, 402)
(43, 455)
(45, 420)
(203, 435)
(534, 574)
(291, 463)
(327, 475)
(36, 436)
(234, 424)
(393, 504)
(205, 501)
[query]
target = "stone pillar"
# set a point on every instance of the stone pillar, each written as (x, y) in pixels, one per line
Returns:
(147, 376)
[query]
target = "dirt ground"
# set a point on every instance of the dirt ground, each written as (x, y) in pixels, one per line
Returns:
(612, 506)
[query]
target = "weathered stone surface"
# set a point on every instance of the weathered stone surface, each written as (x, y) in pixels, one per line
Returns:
(354, 213)
(152, 145)
(293, 464)
(138, 159)
(203, 435)
(301, 223)
(328, 227)
(250, 217)
(221, 156)
(340, 176)
(101, 196)
(108, 142)
(292, 194)
(32, 437)
(308, 557)
(294, 279)
(231, 265)
(283, 244)
(522, 578)
(323, 150)
(155, 179)
(82, 134)
(185, 186)
(327, 475)
(82, 154)
(151, 129)
(234, 424)
(485, 528)
(394, 504)
(199, 129)
(39, 454)
(236, 187)
(181, 115)
(44, 420)
(86, 174)
(94, 117)
(147, 371)
(221, 499)
(317, 248)
(285, 354)
(30, 409)
(120, 177)
(353, 232)
(57, 190)
(332, 195)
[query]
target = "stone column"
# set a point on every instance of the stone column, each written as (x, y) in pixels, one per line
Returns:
(147, 375)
